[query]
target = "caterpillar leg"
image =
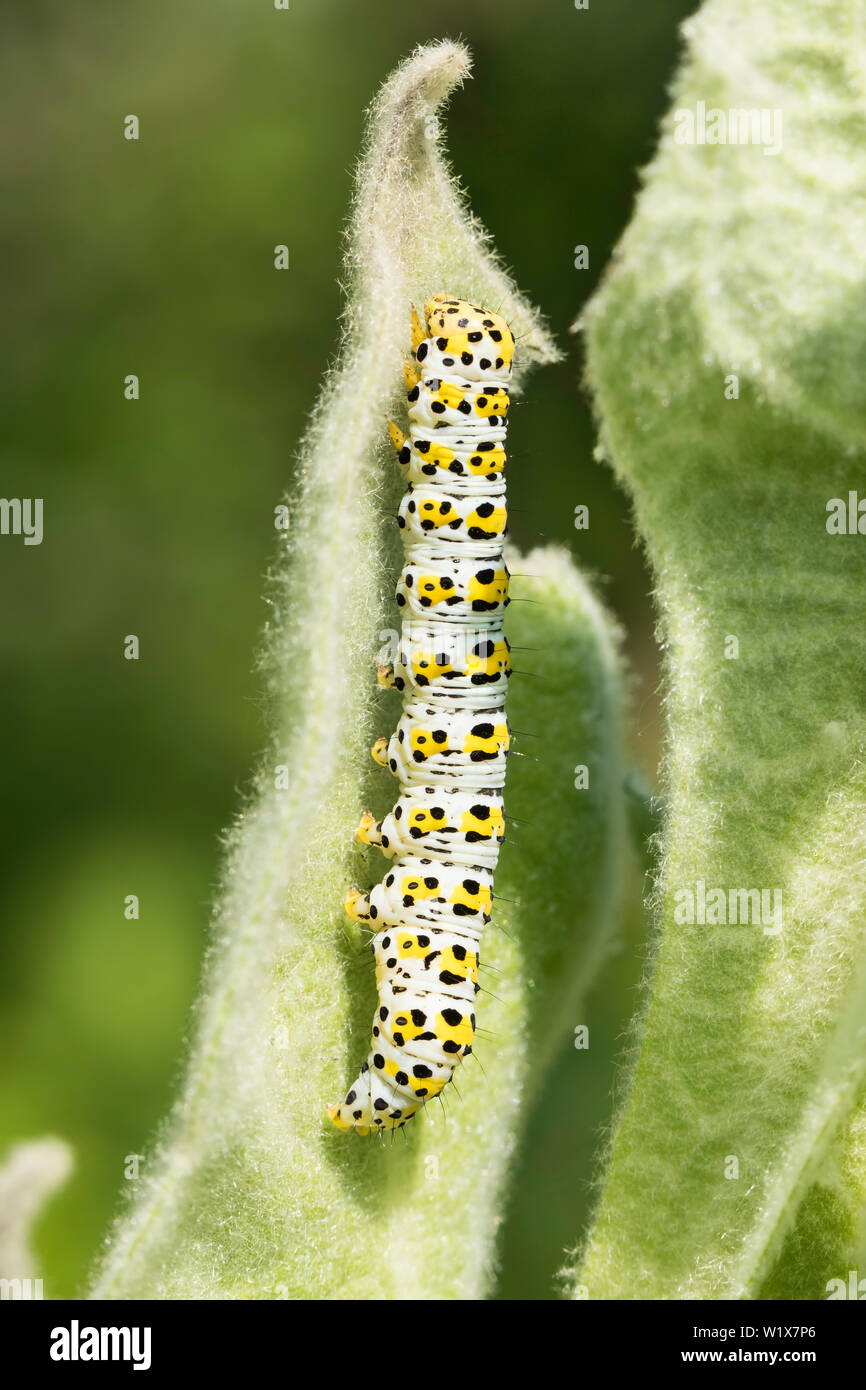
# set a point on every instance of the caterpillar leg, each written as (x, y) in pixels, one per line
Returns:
(398, 438)
(411, 376)
(357, 905)
(379, 751)
(385, 678)
(419, 332)
(369, 830)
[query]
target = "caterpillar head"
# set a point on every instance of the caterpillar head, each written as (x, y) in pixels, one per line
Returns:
(469, 333)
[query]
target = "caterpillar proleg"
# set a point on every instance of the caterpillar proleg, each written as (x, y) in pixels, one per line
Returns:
(450, 746)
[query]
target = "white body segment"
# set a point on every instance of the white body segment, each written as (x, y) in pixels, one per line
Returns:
(433, 746)
(454, 589)
(464, 463)
(436, 521)
(445, 822)
(455, 666)
(423, 892)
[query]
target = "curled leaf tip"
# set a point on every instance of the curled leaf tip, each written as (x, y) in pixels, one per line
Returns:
(31, 1173)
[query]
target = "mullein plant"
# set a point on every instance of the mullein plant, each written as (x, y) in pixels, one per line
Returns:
(737, 1167)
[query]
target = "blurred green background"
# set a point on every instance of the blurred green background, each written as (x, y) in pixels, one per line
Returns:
(156, 258)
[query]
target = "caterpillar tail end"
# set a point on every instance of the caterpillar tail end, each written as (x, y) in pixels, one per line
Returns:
(369, 1108)
(398, 438)
(342, 1121)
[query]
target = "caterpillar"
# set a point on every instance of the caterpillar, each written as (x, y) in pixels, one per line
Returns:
(449, 749)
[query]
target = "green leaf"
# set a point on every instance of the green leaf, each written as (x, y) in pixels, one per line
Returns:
(750, 1052)
(251, 1194)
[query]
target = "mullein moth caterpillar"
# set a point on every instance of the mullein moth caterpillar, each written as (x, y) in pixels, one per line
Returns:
(450, 746)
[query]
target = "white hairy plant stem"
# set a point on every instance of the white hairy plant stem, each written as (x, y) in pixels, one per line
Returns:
(736, 1168)
(250, 1193)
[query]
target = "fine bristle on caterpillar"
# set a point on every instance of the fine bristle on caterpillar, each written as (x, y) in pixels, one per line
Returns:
(449, 749)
